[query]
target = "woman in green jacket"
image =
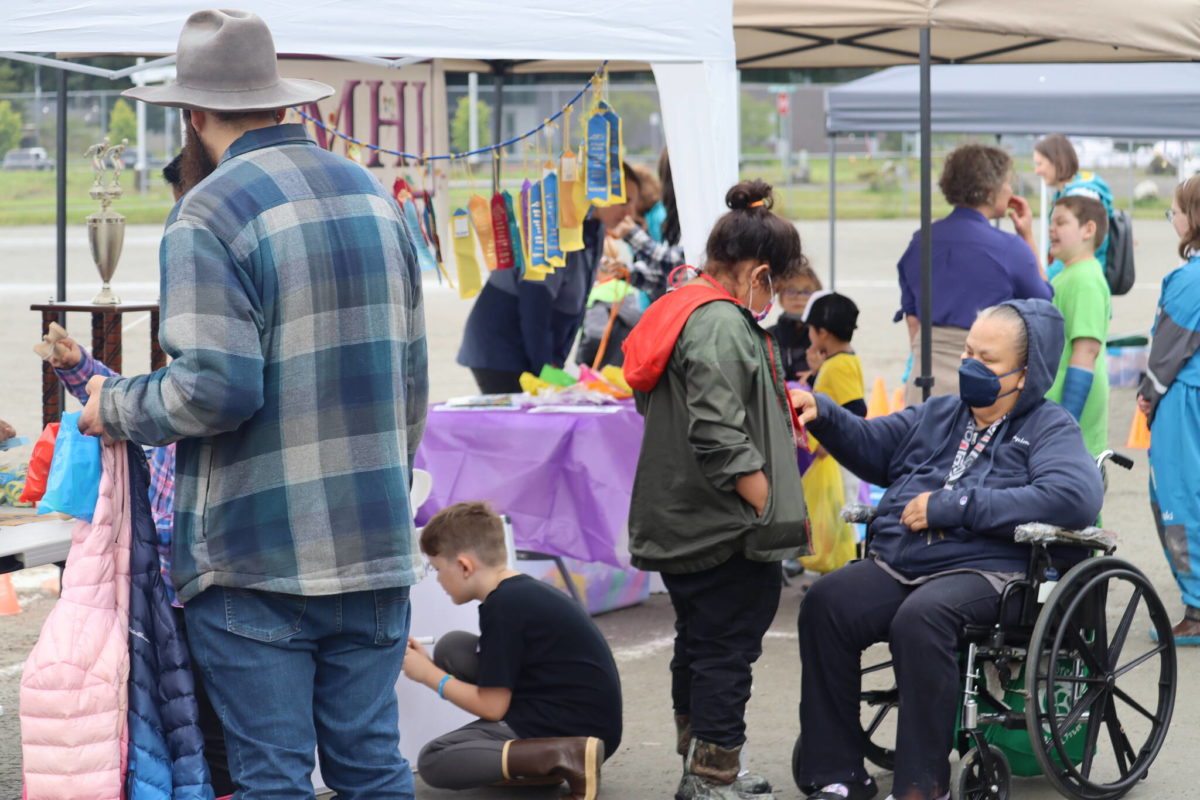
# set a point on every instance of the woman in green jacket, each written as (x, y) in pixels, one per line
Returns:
(717, 501)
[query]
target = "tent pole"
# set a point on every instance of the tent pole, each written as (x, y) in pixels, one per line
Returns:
(1132, 181)
(1044, 223)
(60, 189)
(498, 70)
(925, 380)
(832, 213)
(999, 142)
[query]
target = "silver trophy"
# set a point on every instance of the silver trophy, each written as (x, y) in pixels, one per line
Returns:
(106, 228)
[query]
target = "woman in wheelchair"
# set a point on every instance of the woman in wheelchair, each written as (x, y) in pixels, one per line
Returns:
(961, 473)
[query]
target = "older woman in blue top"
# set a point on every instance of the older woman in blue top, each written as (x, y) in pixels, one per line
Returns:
(975, 265)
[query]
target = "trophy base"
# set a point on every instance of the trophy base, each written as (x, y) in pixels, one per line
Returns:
(106, 298)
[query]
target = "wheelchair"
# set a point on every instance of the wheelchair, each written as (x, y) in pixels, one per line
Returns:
(1051, 694)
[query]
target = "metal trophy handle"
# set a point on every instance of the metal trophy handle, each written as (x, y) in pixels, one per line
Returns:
(106, 228)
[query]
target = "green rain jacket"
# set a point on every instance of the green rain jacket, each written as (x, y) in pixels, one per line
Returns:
(717, 410)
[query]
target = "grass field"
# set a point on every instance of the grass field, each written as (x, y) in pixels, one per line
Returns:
(28, 198)
(868, 189)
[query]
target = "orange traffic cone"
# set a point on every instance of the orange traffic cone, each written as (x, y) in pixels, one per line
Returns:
(878, 405)
(1139, 432)
(52, 586)
(898, 400)
(9, 604)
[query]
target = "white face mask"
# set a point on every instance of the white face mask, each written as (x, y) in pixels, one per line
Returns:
(761, 315)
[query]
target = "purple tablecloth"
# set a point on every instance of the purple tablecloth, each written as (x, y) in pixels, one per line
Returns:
(565, 480)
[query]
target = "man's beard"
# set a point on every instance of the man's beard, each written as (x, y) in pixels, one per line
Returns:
(195, 164)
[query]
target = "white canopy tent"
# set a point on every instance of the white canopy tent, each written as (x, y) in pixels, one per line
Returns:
(688, 44)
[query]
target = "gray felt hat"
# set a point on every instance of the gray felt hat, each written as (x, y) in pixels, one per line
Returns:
(226, 62)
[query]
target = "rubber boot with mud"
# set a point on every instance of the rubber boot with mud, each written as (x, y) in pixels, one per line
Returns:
(747, 782)
(711, 773)
(575, 759)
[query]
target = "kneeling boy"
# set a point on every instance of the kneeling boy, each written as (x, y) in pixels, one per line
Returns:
(540, 675)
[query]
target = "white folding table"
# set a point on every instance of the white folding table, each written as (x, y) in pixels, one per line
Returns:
(34, 544)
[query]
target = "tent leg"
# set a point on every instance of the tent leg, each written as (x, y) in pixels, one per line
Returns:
(1132, 181)
(1044, 223)
(60, 189)
(999, 143)
(498, 70)
(60, 204)
(832, 213)
(925, 379)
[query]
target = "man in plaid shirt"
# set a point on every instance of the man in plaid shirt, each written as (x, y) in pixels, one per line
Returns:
(297, 394)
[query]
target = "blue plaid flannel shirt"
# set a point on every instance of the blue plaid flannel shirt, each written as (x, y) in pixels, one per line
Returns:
(298, 384)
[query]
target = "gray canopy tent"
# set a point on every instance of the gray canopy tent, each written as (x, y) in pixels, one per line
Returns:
(1122, 101)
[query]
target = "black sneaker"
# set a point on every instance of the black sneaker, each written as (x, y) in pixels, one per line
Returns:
(847, 791)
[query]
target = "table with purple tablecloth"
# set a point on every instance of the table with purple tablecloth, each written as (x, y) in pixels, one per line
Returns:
(563, 479)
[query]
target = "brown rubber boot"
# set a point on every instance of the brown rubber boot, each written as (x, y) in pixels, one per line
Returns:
(712, 774)
(683, 734)
(575, 759)
(715, 764)
(746, 783)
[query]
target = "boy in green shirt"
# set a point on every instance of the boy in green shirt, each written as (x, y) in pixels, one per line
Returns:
(1081, 294)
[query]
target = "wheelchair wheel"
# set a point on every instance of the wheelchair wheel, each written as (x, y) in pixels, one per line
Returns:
(975, 782)
(1093, 729)
(877, 706)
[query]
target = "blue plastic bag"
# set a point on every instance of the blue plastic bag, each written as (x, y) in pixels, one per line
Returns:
(74, 482)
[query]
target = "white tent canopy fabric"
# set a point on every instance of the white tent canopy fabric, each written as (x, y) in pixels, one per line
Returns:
(682, 30)
(1122, 101)
(860, 33)
(688, 43)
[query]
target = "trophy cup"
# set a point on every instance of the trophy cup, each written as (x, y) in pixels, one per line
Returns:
(106, 228)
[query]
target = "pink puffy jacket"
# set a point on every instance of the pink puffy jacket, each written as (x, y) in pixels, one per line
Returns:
(74, 694)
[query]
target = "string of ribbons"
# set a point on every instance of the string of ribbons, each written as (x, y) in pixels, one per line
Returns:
(532, 230)
(596, 78)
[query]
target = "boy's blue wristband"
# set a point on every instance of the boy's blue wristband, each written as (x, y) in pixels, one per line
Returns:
(442, 687)
(1076, 386)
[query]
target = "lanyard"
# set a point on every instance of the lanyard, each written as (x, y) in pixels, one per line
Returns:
(716, 285)
(969, 450)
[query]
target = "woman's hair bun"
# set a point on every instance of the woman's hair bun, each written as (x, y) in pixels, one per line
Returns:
(745, 194)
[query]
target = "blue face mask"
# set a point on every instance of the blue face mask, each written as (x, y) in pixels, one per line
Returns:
(978, 386)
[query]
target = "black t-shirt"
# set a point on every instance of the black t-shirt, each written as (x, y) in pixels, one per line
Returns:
(793, 346)
(544, 646)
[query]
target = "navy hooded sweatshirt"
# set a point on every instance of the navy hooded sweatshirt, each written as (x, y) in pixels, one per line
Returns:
(1036, 469)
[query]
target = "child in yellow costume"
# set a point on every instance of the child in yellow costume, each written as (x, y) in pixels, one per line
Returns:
(831, 320)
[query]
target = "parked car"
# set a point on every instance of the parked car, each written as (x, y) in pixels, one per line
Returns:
(28, 158)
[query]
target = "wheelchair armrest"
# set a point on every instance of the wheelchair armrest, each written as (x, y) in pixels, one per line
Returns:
(1089, 538)
(858, 513)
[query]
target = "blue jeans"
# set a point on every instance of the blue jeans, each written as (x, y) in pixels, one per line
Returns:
(289, 674)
